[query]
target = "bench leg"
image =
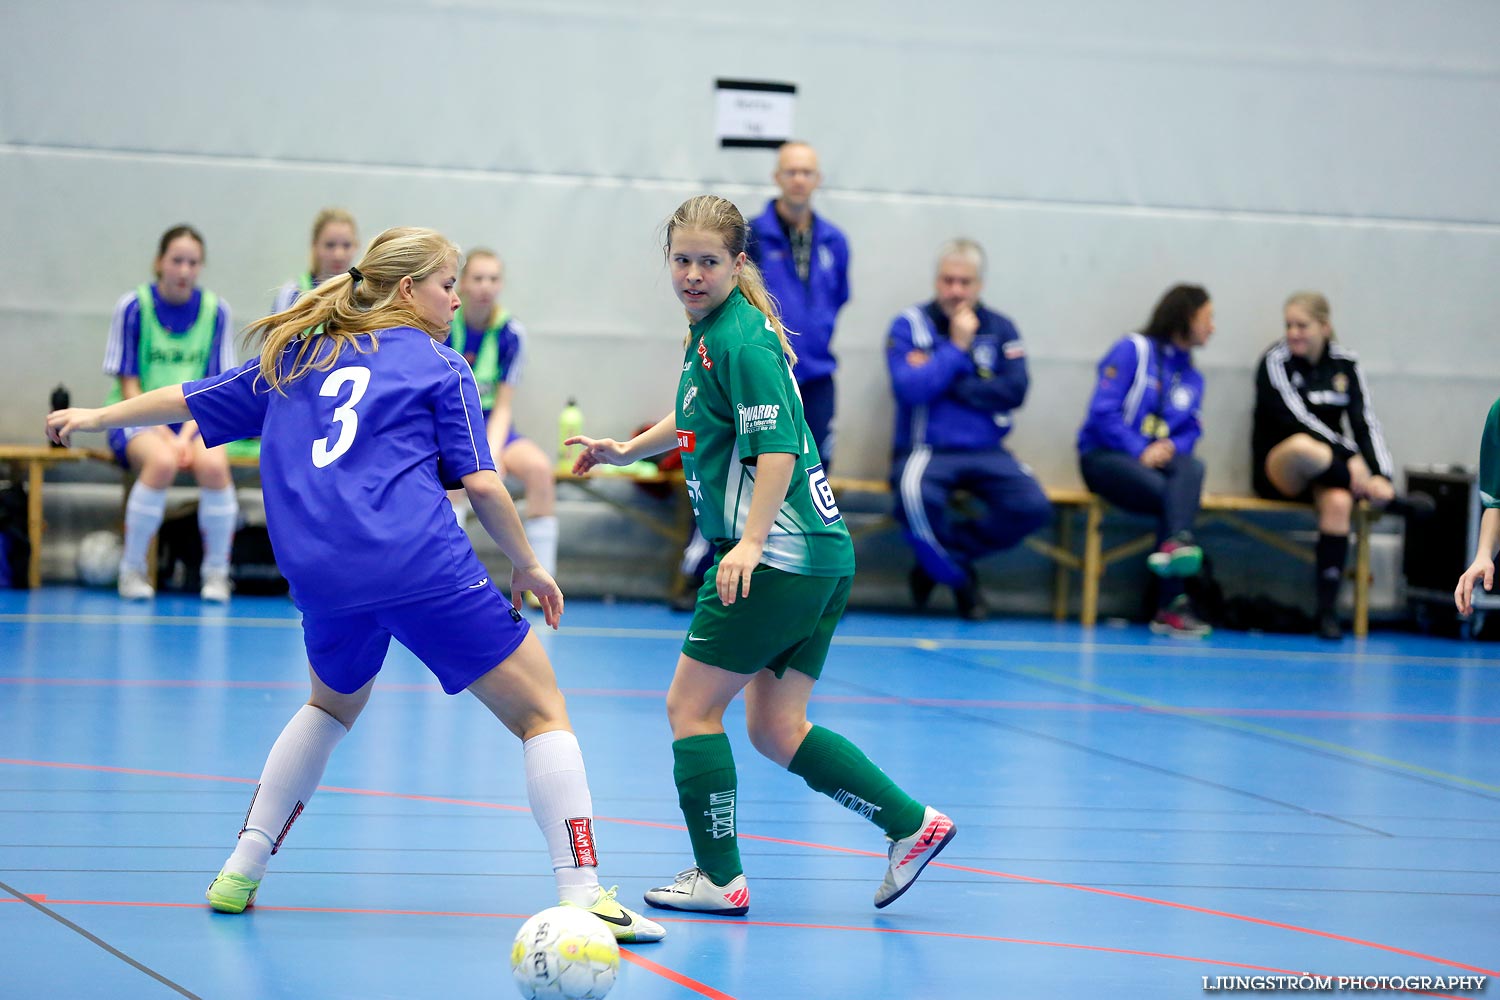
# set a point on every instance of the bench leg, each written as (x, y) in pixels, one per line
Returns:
(1093, 562)
(1059, 571)
(34, 523)
(1362, 571)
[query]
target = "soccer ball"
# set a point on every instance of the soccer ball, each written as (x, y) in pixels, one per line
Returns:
(99, 559)
(564, 953)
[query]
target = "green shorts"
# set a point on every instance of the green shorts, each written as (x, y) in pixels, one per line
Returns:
(786, 622)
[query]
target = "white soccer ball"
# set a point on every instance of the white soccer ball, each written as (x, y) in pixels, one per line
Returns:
(564, 953)
(99, 559)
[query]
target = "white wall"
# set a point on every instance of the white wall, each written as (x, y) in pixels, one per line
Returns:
(1100, 151)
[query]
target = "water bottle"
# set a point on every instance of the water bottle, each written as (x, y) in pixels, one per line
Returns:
(60, 401)
(569, 424)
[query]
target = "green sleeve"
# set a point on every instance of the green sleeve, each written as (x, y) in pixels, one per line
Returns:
(760, 390)
(1489, 458)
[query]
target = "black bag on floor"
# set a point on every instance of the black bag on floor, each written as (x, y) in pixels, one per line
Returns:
(15, 542)
(252, 563)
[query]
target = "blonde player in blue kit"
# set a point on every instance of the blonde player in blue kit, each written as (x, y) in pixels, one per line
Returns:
(363, 424)
(779, 582)
(163, 334)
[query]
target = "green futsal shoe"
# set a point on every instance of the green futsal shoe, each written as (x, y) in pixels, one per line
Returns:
(231, 892)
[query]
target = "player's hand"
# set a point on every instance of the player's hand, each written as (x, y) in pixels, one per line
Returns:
(735, 570)
(63, 424)
(597, 451)
(1359, 477)
(962, 327)
(537, 580)
(1481, 570)
(1158, 453)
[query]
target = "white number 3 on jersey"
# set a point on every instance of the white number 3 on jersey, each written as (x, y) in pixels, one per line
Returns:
(344, 416)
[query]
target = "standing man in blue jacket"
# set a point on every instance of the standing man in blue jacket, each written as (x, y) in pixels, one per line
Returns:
(958, 369)
(805, 261)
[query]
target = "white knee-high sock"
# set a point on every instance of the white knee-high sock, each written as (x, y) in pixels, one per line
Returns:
(218, 513)
(541, 532)
(292, 772)
(558, 790)
(144, 510)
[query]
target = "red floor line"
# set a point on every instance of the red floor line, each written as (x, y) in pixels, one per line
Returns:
(833, 699)
(672, 975)
(815, 846)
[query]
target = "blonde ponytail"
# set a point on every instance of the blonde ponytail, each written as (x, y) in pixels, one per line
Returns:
(345, 308)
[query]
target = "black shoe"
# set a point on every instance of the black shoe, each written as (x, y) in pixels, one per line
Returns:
(1414, 506)
(921, 587)
(970, 600)
(1329, 626)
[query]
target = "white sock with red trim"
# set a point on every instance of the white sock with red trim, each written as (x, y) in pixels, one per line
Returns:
(293, 770)
(558, 790)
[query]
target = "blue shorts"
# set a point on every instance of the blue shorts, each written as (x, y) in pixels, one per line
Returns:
(118, 439)
(511, 435)
(459, 637)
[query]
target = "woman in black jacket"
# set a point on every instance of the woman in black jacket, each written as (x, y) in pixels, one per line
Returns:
(1317, 440)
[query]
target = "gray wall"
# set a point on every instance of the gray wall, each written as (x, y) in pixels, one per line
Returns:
(1100, 151)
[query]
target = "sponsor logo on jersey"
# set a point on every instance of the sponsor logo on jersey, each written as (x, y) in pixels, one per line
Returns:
(176, 356)
(1340, 382)
(757, 416)
(1328, 397)
(822, 495)
(687, 441)
(984, 355)
(581, 838)
(825, 259)
(1182, 397)
(695, 493)
(708, 364)
(687, 399)
(1014, 349)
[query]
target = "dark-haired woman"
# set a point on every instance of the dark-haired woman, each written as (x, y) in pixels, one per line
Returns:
(1136, 446)
(161, 334)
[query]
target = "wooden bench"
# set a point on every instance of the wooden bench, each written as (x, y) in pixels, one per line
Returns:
(1094, 559)
(32, 461)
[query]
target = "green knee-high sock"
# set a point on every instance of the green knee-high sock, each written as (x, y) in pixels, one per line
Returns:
(832, 765)
(703, 767)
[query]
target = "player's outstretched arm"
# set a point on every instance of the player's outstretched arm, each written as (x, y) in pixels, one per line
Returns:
(660, 437)
(497, 512)
(159, 406)
(1482, 569)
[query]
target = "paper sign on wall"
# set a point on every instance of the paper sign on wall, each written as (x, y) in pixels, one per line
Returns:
(754, 114)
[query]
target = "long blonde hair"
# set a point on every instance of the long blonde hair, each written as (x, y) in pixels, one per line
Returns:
(322, 219)
(709, 213)
(342, 309)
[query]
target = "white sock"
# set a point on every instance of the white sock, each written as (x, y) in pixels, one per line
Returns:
(144, 510)
(218, 513)
(292, 772)
(541, 532)
(558, 790)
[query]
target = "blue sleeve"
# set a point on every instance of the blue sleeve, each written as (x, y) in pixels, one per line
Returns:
(1004, 388)
(462, 447)
(1107, 408)
(915, 384)
(122, 353)
(229, 406)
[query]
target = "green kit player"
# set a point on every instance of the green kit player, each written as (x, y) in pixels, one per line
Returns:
(780, 579)
(1482, 569)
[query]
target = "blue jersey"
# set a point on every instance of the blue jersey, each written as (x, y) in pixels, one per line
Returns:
(354, 461)
(1146, 391)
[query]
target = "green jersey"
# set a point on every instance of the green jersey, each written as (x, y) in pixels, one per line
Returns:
(1489, 459)
(171, 359)
(736, 400)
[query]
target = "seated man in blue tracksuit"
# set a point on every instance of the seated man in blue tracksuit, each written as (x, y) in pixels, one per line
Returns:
(958, 370)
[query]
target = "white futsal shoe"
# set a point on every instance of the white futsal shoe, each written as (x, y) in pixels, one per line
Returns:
(694, 891)
(134, 586)
(909, 855)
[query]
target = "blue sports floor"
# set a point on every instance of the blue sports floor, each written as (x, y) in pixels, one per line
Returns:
(1134, 813)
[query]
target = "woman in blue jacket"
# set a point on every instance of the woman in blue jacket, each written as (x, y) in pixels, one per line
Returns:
(1136, 446)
